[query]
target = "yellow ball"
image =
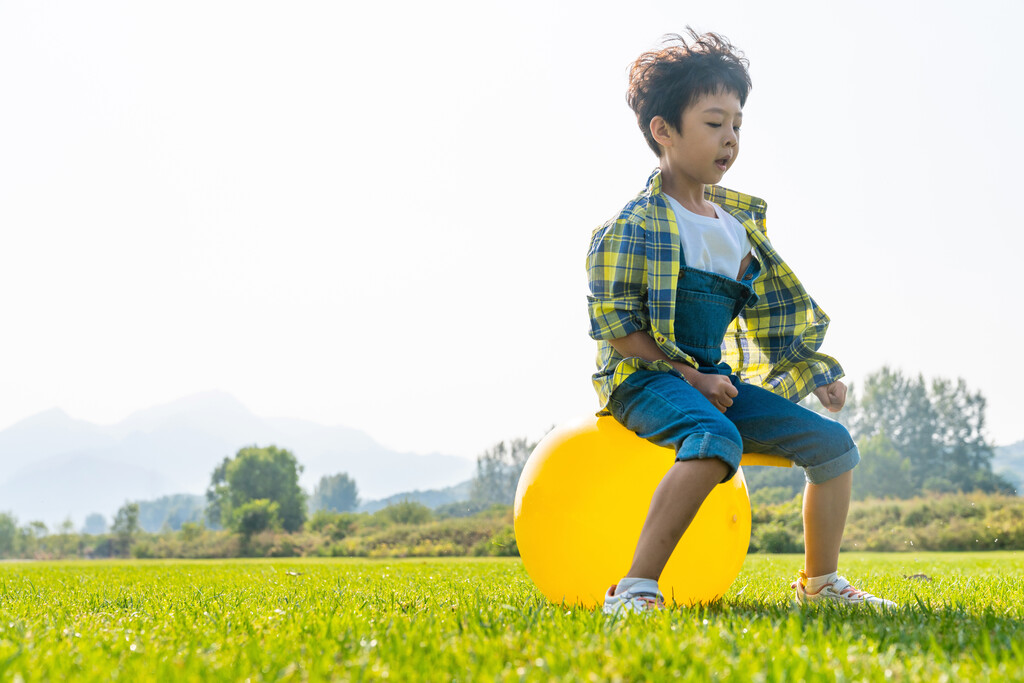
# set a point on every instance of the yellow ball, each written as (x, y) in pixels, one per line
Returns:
(582, 500)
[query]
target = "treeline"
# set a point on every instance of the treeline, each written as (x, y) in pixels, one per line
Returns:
(952, 522)
(254, 506)
(916, 437)
(945, 522)
(405, 529)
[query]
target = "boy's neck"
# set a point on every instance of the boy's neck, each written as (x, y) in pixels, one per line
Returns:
(686, 191)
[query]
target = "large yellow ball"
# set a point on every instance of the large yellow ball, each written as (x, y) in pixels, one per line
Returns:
(582, 500)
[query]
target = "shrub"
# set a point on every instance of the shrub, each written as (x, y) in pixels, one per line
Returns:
(333, 525)
(405, 512)
(771, 495)
(256, 516)
(774, 537)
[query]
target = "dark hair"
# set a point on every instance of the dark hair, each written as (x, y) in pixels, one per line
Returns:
(664, 82)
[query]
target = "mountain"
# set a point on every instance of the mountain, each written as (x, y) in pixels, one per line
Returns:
(432, 498)
(1009, 462)
(53, 467)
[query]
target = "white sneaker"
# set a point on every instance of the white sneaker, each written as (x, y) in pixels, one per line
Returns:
(629, 601)
(838, 592)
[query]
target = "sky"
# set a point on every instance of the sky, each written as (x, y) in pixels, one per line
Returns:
(376, 214)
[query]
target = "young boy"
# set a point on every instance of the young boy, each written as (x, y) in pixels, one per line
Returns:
(684, 273)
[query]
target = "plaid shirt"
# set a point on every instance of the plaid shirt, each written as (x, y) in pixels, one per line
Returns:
(633, 267)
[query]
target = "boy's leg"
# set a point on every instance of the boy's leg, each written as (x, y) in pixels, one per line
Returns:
(774, 425)
(675, 503)
(825, 509)
(666, 410)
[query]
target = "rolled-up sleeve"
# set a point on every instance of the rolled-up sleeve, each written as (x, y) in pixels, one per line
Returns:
(617, 272)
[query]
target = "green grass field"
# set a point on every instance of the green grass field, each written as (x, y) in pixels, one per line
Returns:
(473, 620)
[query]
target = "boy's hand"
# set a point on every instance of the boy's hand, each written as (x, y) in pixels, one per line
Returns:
(716, 388)
(832, 396)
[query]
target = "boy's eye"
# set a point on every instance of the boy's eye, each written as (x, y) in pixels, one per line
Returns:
(715, 125)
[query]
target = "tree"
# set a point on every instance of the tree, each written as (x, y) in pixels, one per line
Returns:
(498, 470)
(337, 493)
(8, 534)
(933, 433)
(915, 437)
(883, 472)
(270, 474)
(959, 432)
(256, 516)
(900, 408)
(126, 526)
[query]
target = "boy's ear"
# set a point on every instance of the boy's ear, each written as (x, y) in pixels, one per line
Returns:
(662, 131)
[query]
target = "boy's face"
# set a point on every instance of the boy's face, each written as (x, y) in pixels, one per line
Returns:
(709, 141)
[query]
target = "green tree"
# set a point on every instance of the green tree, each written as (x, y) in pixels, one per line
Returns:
(191, 532)
(255, 516)
(336, 493)
(405, 512)
(498, 470)
(335, 525)
(8, 534)
(959, 433)
(899, 407)
(270, 474)
(936, 430)
(883, 472)
(30, 538)
(126, 526)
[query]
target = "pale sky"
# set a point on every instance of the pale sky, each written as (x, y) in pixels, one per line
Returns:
(376, 214)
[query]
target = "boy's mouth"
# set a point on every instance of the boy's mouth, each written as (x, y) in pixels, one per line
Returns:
(722, 163)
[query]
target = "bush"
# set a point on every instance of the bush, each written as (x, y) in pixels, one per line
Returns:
(501, 544)
(405, 512)
(333, 525)
(774, 537)
(771, 495)
(256, 516)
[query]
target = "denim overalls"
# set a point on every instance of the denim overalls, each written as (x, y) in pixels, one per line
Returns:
(706, 304)
(664, 408)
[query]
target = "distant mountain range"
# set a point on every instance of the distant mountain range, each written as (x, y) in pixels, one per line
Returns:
(53, 467)
(432, 498)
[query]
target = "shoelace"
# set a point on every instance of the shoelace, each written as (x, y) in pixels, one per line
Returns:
(845, 590)
(853, 592)
(649, 600)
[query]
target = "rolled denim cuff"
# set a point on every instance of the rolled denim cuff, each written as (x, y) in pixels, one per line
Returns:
(819, 474)
(708, 445)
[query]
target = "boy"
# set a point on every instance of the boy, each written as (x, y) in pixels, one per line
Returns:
(685, 272)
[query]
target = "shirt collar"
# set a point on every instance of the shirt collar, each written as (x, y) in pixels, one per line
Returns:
(717, 194)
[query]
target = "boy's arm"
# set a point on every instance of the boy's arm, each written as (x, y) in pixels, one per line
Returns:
(832, 396)
(617, 274)
(716, 388)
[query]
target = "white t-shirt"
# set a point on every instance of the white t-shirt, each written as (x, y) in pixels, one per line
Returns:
(716, 245)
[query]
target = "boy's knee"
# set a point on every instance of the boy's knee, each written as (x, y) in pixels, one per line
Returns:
(838, 438)
(843, 452)
(720, 440)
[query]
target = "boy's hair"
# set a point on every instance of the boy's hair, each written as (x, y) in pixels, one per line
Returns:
(666, 81)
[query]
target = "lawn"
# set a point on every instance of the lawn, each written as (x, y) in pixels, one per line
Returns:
(469, 620)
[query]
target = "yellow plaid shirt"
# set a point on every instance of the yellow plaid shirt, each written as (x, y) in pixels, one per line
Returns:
(633, 268)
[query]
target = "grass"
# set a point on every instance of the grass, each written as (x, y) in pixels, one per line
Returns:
(471, 620)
